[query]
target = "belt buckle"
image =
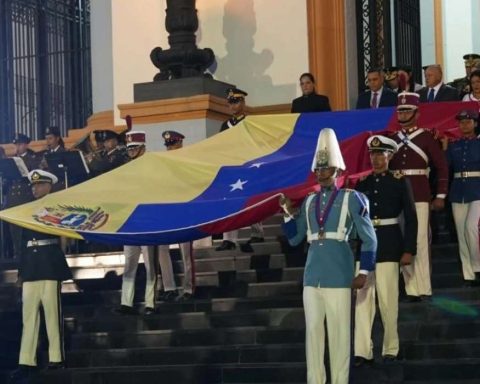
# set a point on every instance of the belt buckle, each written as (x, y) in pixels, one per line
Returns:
(376, 222)
(464, 174)
(34, 243)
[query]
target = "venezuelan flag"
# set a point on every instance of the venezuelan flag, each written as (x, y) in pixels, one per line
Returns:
(228, 181)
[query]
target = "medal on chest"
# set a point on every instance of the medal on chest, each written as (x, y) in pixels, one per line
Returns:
(322, 212)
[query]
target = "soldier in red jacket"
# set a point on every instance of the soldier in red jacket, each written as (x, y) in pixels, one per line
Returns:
(419, 150)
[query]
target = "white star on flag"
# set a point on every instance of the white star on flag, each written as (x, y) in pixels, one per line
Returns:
(256, 165)
(238, 185)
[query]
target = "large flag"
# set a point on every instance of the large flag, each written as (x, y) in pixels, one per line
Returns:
(225, 182)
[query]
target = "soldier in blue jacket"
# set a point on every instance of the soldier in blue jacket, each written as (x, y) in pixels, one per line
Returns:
(327, 218)
(463, 157)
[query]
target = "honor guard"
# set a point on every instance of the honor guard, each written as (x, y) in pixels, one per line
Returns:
(19, 191)
(42, 269)
(463, 157)
(391, 78)
(418, 150)
(327, 218)
(236, 102)
(174, 140)
(113, 155)
(462, 85)
(390, 195)
(136, 148)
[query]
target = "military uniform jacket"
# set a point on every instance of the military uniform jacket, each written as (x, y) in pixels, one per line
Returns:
(60, 185)
(463, 155)
(390, 194)
(462, 85)
(45, 262)
(19, 191)
(231, 122)
(330, 262)
(108, 161)
(311, 103)
(417, 150)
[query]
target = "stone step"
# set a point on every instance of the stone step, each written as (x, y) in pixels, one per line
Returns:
(232, 354)
(441, 349)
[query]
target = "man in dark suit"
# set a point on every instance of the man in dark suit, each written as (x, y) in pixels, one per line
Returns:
(310, 101)
(377, 95)
(435, 89)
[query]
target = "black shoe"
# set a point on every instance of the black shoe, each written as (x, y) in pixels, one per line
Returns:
(388, 359)
(126, 310)
(185, 297)
(471, 283)
(23, 372)
(56, 365)
(361, 361)
(170, 296)
(149, 311)
(226, 245)
(256, 239)
(411, 299)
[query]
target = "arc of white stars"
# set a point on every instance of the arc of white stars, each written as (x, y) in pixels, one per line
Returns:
(238, 185)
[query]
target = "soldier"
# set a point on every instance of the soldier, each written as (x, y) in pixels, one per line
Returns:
(42, 269)
(19, 191)
(464, 159)
(390, 195)
(113, 155)
(462, 85)
(136, 148)
(236, 102)
(391, 78)
(327, 218)
(174, 140)
(419, 150)
(54, 140)
(55, 144)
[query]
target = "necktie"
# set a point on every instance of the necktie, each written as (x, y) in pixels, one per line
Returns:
(374, 100)
(431, 95)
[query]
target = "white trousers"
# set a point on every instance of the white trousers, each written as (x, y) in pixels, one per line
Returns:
(167, 276)
(45, 293)
(417, 275)
(132, 254)
(384, 283)
(257, 231)
(334, 305)
(466, 218)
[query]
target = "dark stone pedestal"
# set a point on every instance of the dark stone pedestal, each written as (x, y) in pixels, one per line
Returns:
(170, 89)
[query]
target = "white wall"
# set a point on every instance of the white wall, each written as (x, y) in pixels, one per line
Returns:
(427, 33)
(458, 35)
(102, 55)
(260, 45)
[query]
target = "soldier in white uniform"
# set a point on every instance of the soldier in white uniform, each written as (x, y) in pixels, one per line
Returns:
(174, 140)
(135, 149)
